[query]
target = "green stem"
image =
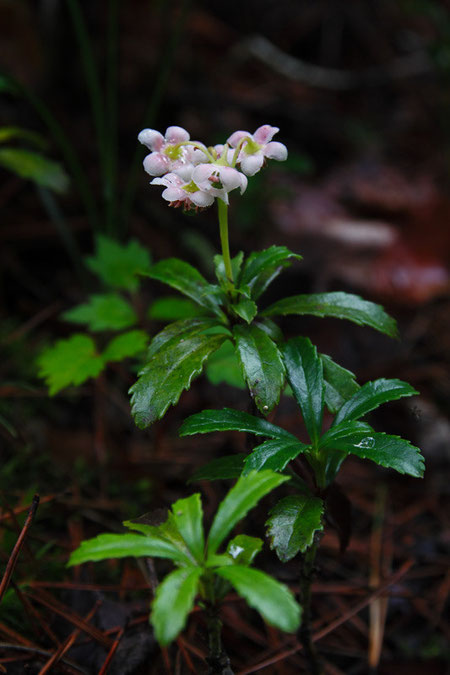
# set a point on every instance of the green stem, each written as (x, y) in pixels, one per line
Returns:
(223, 224)
(305, 633)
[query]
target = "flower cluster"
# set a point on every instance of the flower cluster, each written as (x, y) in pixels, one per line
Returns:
(194, 175)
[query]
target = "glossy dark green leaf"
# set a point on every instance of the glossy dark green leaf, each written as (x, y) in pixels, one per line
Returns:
(69, 362)
(188, 280)
(173, 601)
(35, 167)
(339, 305)
(293, 523)
(246, 309)
(168, 373)
(261, 364)
(273, 600)
(272, 330)
(273, 454)
(223, 366)
(240, 499)
(126, 345)
(262, 267)
(118, 265)
(232, 420)
(219, 265)
(107, 546)
(340, 384)
(222, 468)
(392, 452)
(188, 517)
(243, 549)
(103, 312)
(370, 396)
(328, 449)
(304, 372)
(184, 329)
(173, 308)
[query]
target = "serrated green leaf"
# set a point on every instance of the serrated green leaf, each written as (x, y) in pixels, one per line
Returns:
(173, 601)
(35, 167)
(118, 265)
(246, 309)
(340, 384)
(168, 373)
(262, 267)
(228, 419)
(392, 452)
(240, 499)
(219, 266)
(370, 396)
(172, 308)
(293, 523)
(339, 305)
(188, 517)
(188, 280)
(223, 366)
(107, 546)
(243, 549)
(179, 330)
(222, 468)
(103, 312)
(342, 430)
(273, 454)
(304, 372)
(69, 362)
(273, 600)
(126, 345)
(272, 330)
(334, 458)
(261, 364)
(167, 532)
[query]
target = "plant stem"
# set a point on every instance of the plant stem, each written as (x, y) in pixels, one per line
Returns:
(218, 661)
(223, 224)
(305, 633)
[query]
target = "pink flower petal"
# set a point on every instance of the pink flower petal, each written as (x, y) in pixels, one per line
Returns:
(202, 199)
(230, 178)
(265, 134)
(156, 164)
(176, 135)
(236, 137)
(201, 173)
(251, 164)
(183, 169)
(151, 138)
(174, 194)
(275, 150)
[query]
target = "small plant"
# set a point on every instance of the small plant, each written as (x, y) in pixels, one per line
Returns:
(202, 571)
(74, 360)
(225, 315)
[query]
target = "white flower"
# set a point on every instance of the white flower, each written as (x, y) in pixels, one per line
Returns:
(167, 154)
(181, 193)
(257, 147)
(218, 180)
